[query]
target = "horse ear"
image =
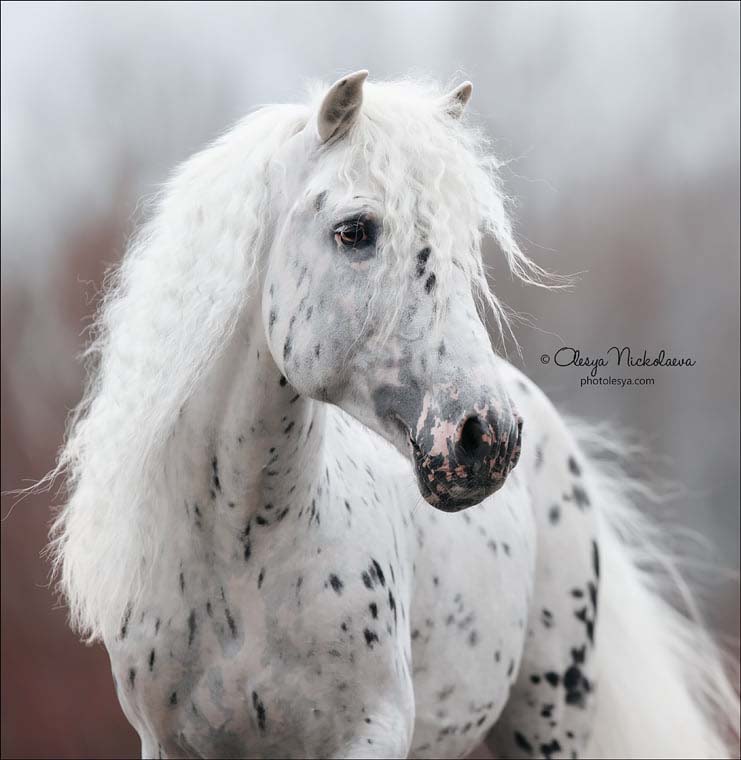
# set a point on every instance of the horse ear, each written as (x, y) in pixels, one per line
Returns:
(454, 103)
(341, 105)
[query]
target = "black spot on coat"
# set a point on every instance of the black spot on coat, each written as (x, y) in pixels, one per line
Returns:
(523, 743)
(595, 559)
(260, 711)
(191, 626)
(370, 637)
(125, 622)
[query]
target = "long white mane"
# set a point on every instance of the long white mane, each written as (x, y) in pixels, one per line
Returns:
(184, 282)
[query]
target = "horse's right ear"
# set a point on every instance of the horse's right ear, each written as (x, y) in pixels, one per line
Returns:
(341, 106)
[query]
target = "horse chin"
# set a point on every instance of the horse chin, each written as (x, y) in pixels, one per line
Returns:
(455, 498)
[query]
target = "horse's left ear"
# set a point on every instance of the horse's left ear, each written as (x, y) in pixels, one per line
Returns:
(341, 106)
(454, 103)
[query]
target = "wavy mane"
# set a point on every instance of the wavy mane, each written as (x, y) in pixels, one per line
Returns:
(178, 294)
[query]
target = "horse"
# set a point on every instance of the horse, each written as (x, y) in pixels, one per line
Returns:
(310, 510)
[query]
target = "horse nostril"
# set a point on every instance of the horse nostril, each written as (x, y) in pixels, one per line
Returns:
(471, 441)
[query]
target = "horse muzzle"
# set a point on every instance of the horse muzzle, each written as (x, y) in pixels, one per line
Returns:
(459, 463)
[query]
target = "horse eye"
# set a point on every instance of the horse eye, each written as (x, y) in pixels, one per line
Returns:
(354, 234)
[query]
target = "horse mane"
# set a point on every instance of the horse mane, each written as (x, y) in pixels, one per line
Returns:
(171, 304)
(174, 301)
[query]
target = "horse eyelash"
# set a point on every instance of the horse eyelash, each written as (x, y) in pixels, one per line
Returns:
(365, 219)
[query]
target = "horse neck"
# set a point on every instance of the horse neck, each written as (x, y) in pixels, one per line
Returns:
(247, 445)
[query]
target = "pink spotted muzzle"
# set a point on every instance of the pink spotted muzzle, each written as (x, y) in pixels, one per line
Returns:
(459, 464)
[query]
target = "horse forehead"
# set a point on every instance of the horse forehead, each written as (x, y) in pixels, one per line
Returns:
(334, 186)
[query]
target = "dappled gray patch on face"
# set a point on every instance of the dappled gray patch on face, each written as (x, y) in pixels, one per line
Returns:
(398, 403)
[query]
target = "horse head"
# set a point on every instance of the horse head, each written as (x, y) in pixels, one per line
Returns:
(369, 297)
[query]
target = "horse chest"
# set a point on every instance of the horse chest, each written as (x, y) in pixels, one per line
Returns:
(473, 585)
(293, 650)
(355, 602)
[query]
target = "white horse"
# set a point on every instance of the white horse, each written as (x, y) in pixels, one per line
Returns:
(292, 353)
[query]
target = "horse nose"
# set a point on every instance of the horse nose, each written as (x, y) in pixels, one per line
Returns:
(489, 446)
(487, 449)
(460, 462)
(474, 440)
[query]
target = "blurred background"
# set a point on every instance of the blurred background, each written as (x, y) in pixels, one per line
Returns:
(620, 124)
